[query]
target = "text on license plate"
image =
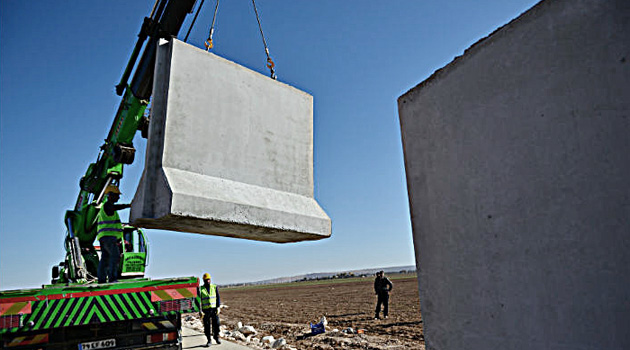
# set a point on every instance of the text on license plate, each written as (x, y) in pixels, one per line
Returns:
(99, 344)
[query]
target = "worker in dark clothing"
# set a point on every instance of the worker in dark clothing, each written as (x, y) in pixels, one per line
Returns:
(109, 232)
(382, 287)
(210, 303)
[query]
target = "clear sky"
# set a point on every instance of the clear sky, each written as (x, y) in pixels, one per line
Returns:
(60, 61)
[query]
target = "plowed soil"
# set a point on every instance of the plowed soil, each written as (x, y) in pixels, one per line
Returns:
(285, 312)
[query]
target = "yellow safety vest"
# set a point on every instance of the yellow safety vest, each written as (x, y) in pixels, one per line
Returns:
(208, 298)
(108, 225)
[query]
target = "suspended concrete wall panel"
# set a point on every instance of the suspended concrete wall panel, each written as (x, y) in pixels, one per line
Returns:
(230, 152)
(517, 157)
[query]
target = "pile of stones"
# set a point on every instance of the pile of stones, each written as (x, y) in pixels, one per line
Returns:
(248, 334)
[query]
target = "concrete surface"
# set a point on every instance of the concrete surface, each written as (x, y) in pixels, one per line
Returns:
(517, 157)
(230, 152)
(192, 339)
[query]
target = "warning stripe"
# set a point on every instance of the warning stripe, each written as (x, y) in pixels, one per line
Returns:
(58, 320)
(94, 309)
(171, 294)
(103, 306)
(75, 311)
(28, 340)
(152, 326)
(96, 293)
(167, 324)
(55, 313)
(16, 308)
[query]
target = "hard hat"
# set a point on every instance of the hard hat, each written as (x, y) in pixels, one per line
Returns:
(206, 276)
(112, 189)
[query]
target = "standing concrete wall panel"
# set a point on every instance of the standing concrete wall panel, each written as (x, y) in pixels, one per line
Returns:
(517, 157)
(230, 152)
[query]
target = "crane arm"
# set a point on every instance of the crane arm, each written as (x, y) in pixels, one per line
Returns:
(165, 21)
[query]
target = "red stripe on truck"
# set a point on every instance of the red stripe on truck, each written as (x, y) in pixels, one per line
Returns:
(95, 293)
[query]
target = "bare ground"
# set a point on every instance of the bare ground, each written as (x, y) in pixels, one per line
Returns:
(285, 312)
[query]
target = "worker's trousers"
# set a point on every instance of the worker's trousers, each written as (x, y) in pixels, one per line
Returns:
(211, 317)
(383, 298)
(110, 255)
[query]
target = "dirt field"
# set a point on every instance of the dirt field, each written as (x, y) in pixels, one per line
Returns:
(285, 311)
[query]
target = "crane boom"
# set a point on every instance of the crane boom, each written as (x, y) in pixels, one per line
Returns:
(165, 21)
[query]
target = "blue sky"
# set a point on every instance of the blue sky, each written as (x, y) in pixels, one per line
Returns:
(60, 60)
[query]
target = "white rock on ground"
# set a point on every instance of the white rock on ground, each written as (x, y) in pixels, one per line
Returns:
(278, 344)
(238, 335)
(247, 330)
(268, 339)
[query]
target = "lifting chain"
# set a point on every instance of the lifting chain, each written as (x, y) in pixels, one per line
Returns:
(209, 44)
(270, 63)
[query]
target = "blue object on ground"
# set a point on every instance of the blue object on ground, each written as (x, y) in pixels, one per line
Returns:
(317, 328)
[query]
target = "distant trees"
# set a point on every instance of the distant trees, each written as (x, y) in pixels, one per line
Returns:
(321, 277)
(344, 275)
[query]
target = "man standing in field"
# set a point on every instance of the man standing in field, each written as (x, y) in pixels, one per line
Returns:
(210, 302)
(382, 287)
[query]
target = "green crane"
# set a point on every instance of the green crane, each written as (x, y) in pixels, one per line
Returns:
(81, 260)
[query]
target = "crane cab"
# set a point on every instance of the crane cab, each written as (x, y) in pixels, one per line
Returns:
(134, 253)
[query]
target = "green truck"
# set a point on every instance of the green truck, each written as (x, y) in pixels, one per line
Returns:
(74, 311)
(136, 313)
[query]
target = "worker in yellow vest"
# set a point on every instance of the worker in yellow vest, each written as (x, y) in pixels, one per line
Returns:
(109, 232)
(210, 302)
